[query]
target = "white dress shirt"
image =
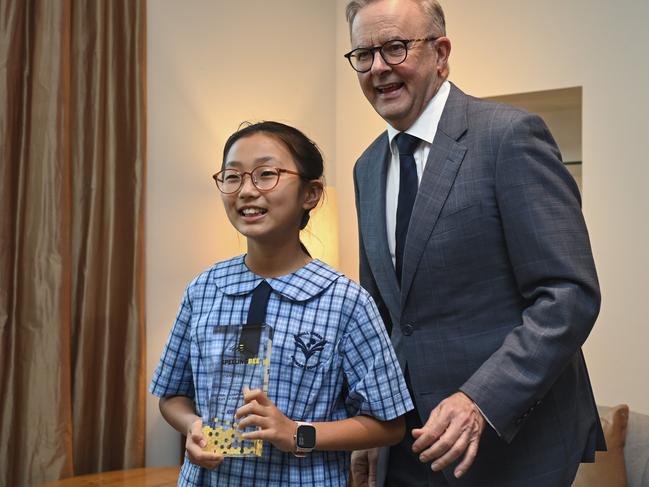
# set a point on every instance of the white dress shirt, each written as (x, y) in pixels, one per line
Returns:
(425, 128)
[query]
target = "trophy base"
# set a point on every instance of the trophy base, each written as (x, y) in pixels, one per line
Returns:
(225, 439)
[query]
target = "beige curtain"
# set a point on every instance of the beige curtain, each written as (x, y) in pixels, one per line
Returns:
(72, 162)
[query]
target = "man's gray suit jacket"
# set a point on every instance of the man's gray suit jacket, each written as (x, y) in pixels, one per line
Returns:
(499, 288)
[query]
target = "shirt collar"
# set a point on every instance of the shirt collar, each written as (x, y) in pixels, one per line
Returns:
(235, 279)
(425, 126)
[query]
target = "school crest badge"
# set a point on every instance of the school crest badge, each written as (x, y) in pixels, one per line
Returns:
(308, 346)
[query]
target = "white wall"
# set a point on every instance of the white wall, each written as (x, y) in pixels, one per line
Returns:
(510, 46)
(212, 65)
(357, 125)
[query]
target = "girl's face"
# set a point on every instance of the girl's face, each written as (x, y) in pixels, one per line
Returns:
(267, 216)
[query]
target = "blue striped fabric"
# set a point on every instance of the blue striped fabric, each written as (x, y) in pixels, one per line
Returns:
(355, 372)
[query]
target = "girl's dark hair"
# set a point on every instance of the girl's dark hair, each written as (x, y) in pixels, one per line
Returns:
(304, 151)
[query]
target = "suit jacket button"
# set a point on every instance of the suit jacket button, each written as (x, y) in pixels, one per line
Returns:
(407, 330)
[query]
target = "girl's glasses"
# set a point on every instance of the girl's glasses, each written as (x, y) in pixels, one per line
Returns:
(264, 178)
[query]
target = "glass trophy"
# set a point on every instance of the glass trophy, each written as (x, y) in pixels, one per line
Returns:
(238, 357)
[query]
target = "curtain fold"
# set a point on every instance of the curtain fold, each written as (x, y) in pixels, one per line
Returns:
(35, 319)
(108, 123)
(72, 134)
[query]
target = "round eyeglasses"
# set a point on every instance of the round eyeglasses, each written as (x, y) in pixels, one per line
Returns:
(264, 178)
(393, 52)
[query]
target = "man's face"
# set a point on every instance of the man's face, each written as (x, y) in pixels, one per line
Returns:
(398, 93)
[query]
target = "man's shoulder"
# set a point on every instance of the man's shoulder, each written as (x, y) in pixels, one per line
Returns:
(376, 150)
(480, 109)
(379, 144)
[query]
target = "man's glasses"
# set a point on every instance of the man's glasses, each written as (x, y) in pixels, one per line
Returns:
(264, 178)
(393, 52)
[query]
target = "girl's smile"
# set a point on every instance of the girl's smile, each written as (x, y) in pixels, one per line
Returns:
(252, 213)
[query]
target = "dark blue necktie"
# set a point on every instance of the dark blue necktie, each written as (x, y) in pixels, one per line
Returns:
(258, 304)
(251, 332)
(408, 185)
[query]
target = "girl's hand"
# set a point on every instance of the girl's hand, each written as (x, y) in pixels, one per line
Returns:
(194, 447)
(261, 412)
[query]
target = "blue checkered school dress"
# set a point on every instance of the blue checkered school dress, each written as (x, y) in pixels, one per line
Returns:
(354, 370)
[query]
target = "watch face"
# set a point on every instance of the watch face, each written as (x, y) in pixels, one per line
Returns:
(305, 436)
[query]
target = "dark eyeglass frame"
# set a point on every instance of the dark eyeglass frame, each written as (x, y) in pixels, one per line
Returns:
(406, 45)
(218, 179)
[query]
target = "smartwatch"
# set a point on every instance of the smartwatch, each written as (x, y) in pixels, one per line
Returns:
(304, 439)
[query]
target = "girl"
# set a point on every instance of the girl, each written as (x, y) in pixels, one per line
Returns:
(347, 393)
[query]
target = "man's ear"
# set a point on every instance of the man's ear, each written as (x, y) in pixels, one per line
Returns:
(443, 50)
(313, 194)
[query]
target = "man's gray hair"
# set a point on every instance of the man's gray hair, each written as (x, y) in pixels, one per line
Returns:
(431, 8)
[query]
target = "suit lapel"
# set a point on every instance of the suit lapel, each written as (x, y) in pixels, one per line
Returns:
(442, 166)
(373, 227)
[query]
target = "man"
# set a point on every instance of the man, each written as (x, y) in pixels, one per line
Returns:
(473, 245)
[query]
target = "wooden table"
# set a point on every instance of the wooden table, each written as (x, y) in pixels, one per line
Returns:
(137, 477)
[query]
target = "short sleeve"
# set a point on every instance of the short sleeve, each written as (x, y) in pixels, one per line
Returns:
(377, 387)
(173, 375)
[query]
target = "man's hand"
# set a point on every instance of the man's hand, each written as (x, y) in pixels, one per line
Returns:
(364, 467)
(260, 411)
(452, 430)
(194, 446)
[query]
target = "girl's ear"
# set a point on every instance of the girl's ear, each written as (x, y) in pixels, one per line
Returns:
(313, 194)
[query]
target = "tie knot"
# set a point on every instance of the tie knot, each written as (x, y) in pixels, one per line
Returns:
(407, 143)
